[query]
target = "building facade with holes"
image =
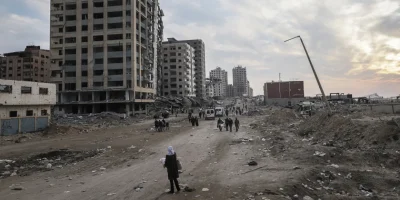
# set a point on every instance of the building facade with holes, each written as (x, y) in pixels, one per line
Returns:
(32, 64)
(104, 54)
(25, 106)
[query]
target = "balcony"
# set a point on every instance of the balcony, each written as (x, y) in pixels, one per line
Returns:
(114, 8)
(115, 66)
(98, 10)
(70, 57)
(56, 23)
(70, 12)
(56, 11)
(116, 54)
(56, 57)
(115, 77)
(56, 79)
(115, 19)
(56, 34)
(55, 67)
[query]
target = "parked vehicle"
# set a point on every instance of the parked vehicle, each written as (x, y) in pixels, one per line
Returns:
(210, 114)
(219, 111)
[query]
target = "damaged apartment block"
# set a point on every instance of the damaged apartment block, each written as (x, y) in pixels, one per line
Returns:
(104, 55)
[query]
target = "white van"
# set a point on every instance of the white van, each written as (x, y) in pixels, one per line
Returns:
(210, 114)
(219, 111)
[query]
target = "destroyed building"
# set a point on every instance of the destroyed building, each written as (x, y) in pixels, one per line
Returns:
(25, 106)
(104, 54)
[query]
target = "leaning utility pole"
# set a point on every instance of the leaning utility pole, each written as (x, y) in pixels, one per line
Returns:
(315, 74)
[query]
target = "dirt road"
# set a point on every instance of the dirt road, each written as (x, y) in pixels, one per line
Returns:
(123, 162)
(209, 157)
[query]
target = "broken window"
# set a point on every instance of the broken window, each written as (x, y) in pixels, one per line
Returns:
(43, 90)
(43, 112)
(13, 114)
(29, 113)
(26, 90)
(5, 88)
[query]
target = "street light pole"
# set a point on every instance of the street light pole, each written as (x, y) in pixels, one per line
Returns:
(315, 74)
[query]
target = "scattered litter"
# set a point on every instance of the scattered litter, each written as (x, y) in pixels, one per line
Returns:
(108, 147)
(102, 168)
(111, 194)
(307, 198)
(320, 154)
(16, 187)
(205, 190)
(334, 165)
(131, 147)
(48, 166)
(252, 163)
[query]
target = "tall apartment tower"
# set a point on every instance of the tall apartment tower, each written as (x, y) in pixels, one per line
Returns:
(32, 64)
(220, 87)
(230, 91)
(200, 64)
(178, 69)
(239, 80)
(104, 54)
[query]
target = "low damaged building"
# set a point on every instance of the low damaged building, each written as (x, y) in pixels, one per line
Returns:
(25, 106)
(284, 93)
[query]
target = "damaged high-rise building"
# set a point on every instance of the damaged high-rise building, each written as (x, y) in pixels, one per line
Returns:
(104, 54)
(199, 63)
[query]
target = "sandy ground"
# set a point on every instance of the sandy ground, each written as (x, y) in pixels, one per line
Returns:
(211, 159)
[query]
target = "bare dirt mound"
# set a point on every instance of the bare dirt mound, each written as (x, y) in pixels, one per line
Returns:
(282, 116)
(351, 133)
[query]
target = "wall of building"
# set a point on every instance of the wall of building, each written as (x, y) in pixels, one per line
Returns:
(32, 64)
(283, 101)
(239, 80)
(288, 89)
(92, 50)
(178, 69)
(220, 88)
(16, 97)
(37, 110)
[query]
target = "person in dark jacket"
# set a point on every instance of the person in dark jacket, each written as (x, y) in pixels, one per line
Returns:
(171, 164)
(237, 124)
(230, 121)
(197, 121)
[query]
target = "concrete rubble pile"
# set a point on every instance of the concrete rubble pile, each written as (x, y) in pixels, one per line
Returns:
(166, 103)
(95, 121)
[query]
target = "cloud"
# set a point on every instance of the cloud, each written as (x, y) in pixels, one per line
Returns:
(354, 44)
(351, 42)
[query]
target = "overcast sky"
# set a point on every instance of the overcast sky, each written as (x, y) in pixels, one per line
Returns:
(354, 44)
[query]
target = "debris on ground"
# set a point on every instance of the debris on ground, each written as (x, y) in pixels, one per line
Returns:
(252, 163)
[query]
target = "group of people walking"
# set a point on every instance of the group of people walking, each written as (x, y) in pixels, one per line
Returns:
(161, 125)
(228, 124)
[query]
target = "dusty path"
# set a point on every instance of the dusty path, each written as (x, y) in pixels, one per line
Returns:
(211, 159)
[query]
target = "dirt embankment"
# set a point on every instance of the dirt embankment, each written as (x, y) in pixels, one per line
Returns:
(338, 157)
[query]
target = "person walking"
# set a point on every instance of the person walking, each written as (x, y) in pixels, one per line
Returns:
(226, 112)
(171, 164)
(230, 121)
(219, 124)
(237, 124)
